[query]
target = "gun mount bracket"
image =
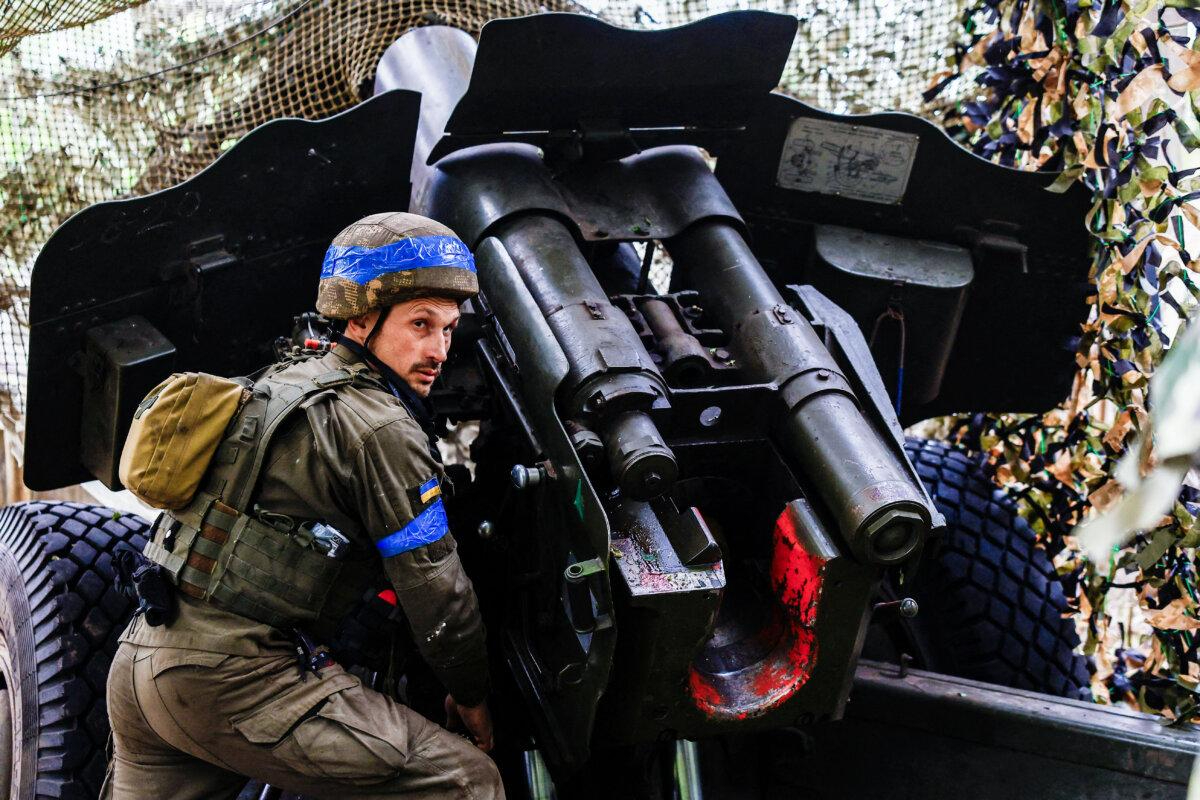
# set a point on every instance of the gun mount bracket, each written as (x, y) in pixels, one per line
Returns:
(578, 572)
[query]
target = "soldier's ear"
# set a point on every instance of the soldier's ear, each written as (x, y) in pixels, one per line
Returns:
(358, 327)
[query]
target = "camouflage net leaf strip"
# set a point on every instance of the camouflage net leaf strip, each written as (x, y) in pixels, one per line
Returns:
(1106, 92)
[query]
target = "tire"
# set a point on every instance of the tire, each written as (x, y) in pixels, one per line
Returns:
(991, 605)
(60, 617)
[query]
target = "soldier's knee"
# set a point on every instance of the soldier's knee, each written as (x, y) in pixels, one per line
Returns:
(484, 779)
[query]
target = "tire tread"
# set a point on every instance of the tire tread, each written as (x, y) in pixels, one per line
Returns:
(993, 594)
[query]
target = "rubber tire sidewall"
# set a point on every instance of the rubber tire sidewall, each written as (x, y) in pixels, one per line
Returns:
(18, 668)
(60, 619)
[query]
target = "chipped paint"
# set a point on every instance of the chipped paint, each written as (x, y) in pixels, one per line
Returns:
(645, 572)
(753, 690)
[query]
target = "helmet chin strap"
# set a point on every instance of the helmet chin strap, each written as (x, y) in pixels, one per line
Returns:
(363, 348)
(383, 312)
(364, 351)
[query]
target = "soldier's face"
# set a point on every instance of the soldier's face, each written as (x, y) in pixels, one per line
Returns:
(414, 339)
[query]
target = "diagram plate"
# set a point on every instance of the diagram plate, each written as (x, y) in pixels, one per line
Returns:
(846, 160)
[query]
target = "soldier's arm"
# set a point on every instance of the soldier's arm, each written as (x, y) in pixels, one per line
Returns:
(396, 483)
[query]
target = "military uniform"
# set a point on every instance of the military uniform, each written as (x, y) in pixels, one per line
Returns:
(216, 695)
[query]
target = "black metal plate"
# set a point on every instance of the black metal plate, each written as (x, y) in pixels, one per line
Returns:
(566, 72)
(1012, 351)
(264, 213)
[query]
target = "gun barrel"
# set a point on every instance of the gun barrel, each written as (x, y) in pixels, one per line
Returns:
(879, 508)
(612, 379)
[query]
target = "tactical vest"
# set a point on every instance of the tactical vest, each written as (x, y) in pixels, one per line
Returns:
(216, 550)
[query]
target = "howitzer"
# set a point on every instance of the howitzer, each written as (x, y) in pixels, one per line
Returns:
(726, 493)
(687, 494)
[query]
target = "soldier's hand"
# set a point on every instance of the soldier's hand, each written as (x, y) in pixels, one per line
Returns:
(476, 719)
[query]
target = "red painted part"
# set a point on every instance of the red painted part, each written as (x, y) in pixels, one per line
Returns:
(796, 580)
(703, 692)
(389, 596)
(312, 344)
(795, 575)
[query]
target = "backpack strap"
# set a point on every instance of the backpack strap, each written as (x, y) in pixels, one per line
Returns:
(239, 462)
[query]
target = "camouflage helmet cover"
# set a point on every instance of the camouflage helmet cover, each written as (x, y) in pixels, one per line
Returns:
(391, 257)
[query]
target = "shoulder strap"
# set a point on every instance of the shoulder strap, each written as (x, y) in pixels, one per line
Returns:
(239, 461)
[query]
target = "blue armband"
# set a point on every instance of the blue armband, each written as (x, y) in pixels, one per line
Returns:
(426, 528)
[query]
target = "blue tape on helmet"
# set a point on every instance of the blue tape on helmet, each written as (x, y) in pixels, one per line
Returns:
(364, 264)
(426, 528)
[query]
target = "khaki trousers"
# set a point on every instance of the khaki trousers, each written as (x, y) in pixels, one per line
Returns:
(193, 725)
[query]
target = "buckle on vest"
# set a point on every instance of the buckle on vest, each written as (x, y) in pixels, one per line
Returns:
(169, 529)
(280, 522)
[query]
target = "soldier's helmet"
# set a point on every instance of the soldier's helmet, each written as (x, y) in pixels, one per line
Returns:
(391, 257)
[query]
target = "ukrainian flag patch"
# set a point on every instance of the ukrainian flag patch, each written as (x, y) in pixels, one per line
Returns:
(429, 490)
(419, 497)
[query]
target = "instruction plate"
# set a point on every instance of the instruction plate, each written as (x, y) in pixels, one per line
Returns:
(853, 161)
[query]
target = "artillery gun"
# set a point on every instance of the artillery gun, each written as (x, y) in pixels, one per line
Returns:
(688, 499)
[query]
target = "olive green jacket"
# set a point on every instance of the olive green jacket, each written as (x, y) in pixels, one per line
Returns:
(354, 458)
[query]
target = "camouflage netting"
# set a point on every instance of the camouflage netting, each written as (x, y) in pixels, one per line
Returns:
(1107, 93)
(100, 104)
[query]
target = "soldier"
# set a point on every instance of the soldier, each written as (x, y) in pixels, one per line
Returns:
(219, 693)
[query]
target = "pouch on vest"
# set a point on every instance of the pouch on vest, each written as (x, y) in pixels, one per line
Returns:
(174, 434)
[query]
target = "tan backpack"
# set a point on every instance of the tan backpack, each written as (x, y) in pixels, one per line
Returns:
(175, 432)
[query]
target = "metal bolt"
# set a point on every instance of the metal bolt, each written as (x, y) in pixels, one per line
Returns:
(909, 608)
(721, 353)
(524, 477)
(571, 674)
(588, 445)
(710, 416)
(485, 529)
(823, 374)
